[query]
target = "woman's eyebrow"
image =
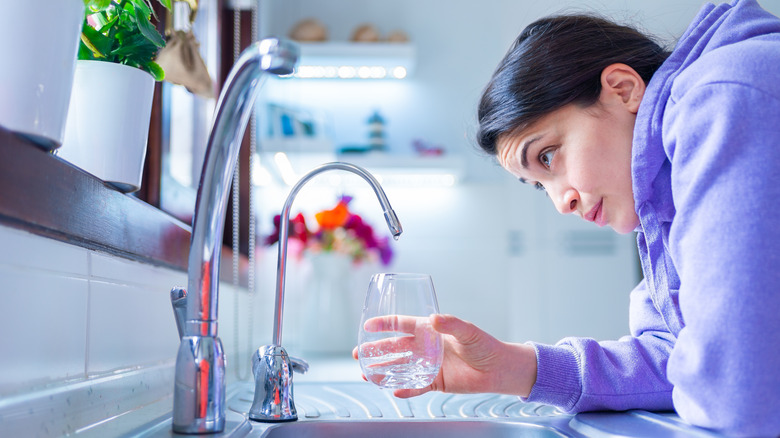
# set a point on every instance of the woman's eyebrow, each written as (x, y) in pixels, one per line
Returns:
(524, 151)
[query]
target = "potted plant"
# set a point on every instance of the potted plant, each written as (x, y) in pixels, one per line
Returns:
(39, 40)
(111, 103)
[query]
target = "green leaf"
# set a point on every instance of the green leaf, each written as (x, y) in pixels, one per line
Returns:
(96, 5)
(99, 19)
(136, 47)
(150, 32)
(156, 71)
(96, 42)
(105, 23)
(142, 8)
(85, 53)
(166, 4)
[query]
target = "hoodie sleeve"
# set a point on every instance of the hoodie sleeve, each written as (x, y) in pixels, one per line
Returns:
(724, 140)
(581, 374)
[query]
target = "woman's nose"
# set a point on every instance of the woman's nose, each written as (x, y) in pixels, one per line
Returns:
(568, 202)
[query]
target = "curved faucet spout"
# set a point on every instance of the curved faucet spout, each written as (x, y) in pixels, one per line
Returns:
(272, 367)
(281, 270)
(199, 392)
(231, 117)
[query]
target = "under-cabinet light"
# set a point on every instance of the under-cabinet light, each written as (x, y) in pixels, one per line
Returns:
(349, 72)
(391, 171)
(333, 60)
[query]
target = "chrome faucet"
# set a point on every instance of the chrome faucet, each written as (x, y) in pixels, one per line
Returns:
(199, 391)
(271, 366)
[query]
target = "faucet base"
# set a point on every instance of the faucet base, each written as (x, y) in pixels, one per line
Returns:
(273, 373)
(201, 427)
(199, 392)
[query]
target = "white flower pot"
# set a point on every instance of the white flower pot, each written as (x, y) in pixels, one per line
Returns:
(39, 41)
(108, 122)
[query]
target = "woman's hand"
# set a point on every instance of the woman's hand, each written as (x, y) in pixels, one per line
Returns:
(476, 362)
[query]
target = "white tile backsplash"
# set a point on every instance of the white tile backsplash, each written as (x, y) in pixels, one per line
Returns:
(74, 313)
(44, 327)
(129, 325)
(122, 271)
(24, 250)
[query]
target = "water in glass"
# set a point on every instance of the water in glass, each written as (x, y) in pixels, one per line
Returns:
(397, 347)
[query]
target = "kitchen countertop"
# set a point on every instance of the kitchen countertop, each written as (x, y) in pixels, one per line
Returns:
(331, 399)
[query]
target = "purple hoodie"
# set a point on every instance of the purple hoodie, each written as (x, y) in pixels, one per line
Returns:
(705, 321)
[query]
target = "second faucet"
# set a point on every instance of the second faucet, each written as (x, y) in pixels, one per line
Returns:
(273, 401)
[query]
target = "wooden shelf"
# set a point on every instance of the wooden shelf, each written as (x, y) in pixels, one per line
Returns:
(45, 195)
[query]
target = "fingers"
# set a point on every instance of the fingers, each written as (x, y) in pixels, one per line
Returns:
(450, 325)
(393, 323)
(409, 393)
(382, 347)
(355, 353)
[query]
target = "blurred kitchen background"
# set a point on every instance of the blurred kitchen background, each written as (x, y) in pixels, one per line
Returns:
(499, 254)
(87, 268)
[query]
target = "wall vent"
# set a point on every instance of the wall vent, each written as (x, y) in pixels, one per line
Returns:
(516, 243)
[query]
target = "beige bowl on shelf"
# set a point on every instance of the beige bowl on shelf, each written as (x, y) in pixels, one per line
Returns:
(309, 30)
(365, 33)
(397, 36)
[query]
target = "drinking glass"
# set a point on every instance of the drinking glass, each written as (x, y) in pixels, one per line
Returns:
(397, 347)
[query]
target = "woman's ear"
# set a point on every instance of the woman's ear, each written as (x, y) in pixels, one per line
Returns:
(624, 83)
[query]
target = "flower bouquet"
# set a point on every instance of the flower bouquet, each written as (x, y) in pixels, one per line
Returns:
(339, 231)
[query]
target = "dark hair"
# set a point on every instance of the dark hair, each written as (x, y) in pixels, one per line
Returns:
(554, 62)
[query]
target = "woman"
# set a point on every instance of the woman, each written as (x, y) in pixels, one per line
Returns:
(684, 149)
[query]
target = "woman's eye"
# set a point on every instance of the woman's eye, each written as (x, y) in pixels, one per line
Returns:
(539, 186)
(546, 157)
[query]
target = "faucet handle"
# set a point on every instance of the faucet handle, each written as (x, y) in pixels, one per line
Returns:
(179, 303)
(299, 365)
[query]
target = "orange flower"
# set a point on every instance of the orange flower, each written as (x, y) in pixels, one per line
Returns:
(333, 218)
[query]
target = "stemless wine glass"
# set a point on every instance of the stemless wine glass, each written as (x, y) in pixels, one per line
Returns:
(397, 347)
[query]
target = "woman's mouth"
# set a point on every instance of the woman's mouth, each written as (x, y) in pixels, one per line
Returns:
(596, 215)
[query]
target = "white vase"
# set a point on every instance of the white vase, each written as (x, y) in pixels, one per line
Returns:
(39, 41)
(330, 317)
(108, 122)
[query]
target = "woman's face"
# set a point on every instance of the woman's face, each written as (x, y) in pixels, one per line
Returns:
(582, 158)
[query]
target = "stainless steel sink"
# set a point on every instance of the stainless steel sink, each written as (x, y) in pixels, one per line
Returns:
(359, 409)
(410, 429)
(363, 401)
(112, 407)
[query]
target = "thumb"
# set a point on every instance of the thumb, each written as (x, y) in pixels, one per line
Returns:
(463, 331)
